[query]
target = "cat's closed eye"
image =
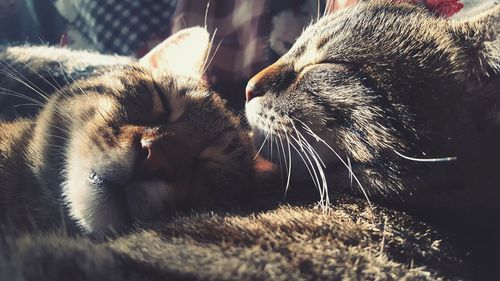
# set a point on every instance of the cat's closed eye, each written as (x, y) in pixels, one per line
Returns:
(354, 106)
(134, 141)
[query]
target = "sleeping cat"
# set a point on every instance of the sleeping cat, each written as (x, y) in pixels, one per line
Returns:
(118, 140)
(391, 100)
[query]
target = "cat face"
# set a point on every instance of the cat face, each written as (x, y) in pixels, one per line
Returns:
(365, 86)
(149, 138)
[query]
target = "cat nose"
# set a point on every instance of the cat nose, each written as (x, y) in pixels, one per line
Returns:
(169, 157)
(253, 88)
(255, 85)
(251, 91)
(155, 161)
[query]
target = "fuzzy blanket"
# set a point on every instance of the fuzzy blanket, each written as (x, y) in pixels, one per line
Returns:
(350, 242)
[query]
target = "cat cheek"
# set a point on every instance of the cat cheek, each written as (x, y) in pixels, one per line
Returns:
(252, 110)
(147, 200)
(153, 199)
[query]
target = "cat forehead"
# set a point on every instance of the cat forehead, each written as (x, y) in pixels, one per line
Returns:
(137, 90)
(121, 79)
(359, 31)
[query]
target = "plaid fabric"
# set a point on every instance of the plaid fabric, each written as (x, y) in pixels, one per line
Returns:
(244, 30)
(119, 26)
(251, 34)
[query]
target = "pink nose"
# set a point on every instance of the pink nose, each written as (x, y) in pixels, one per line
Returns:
(250, 91)
(157, 159)
(256, 85)
(170, 156)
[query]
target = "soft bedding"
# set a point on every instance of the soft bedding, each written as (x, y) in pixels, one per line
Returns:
(349, 242)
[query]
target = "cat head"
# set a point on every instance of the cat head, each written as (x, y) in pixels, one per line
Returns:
(146, 139)
(369, 84)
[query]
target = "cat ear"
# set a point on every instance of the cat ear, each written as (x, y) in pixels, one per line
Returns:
(334, 5)
(184, 53)
(481, 37)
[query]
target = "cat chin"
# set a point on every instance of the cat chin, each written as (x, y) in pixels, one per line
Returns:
(100, 207)
(278, 153)
(96, 211)
(270, 139)
(252, 109)
(261, 117)
(149, 200)
(102, 197)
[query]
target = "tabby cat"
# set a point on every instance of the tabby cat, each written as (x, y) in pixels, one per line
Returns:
(118, 140)
(393, 101)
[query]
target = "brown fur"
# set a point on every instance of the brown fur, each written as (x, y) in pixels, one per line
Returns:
(128, 142)
(378, 79)
(351, 242)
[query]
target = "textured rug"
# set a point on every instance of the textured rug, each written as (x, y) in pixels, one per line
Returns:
(350, 242)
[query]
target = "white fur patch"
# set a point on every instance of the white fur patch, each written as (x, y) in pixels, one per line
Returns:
(85, 202)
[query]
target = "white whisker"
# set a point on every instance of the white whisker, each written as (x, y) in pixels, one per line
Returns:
(309, 130)
(9, 92)
(19, 77)
(279, 160)
(289, 164)
(261, 146)
(324, 192)
(314, 175)
(213, 55)
(31, 85)
(350, 169)
(44, 79)
(206, 14)
(431, 160)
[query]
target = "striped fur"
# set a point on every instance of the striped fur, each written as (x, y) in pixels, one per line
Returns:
(375, 85)
(91, 154)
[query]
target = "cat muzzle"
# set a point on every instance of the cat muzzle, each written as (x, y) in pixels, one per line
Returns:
(254, 86)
